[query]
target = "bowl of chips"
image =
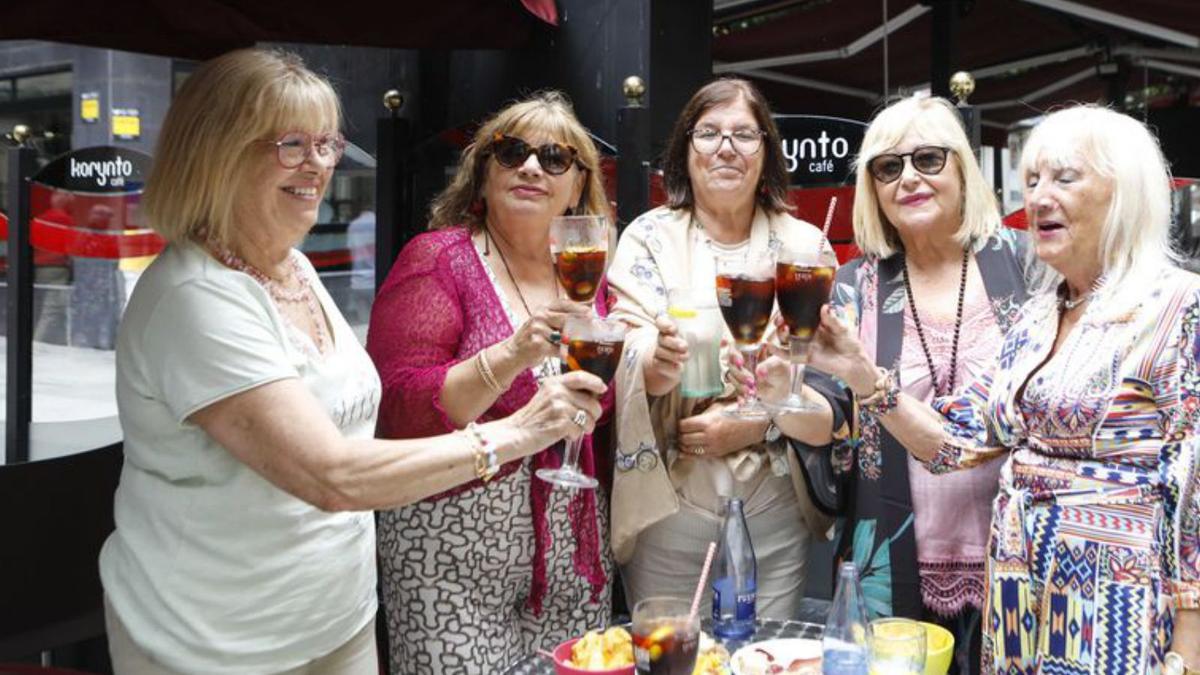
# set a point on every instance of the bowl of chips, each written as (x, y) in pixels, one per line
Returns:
(596, 653)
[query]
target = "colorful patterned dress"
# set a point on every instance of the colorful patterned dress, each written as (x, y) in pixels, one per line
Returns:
(1096, 531)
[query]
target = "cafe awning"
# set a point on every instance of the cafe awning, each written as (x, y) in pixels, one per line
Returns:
(828, 57)
(200, 29)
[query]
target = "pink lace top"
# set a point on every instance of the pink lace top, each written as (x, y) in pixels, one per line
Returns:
(438, 307)
(953, 511)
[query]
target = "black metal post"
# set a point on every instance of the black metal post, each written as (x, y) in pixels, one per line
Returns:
(943, 48)
(970, 118)
(393, 192)
(633, 162)
(19, 380)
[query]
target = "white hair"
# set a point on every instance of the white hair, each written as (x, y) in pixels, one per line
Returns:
(1135, 237)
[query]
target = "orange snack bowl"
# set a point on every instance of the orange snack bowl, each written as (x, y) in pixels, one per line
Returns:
(562, 663)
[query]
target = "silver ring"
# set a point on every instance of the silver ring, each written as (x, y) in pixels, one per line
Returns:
(554, 337)
(699, 450)
(580, 418)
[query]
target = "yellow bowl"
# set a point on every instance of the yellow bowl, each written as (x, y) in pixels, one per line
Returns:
(939, 649)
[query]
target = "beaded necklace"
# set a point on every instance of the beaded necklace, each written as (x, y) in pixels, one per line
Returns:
(303, 293)
(962, 291)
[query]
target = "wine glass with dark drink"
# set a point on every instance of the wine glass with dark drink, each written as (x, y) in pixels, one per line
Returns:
(579, 245)
(803, 281)
(593, 345)
(746, 296)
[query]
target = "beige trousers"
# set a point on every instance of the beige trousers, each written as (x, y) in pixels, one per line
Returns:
(670, 553)
(358, 656)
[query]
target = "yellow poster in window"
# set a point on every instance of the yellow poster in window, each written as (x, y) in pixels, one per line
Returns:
(126, 124)
(89, 107)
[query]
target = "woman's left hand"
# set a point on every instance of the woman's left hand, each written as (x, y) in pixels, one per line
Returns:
(711, 434)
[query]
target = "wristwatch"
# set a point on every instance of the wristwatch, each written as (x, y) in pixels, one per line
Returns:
(1173, 665)
(772, 433)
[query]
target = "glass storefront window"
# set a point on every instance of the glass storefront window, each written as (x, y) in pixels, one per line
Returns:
(43, 85)
(342, 245)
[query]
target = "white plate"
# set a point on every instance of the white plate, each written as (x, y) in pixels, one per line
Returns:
(784, 650)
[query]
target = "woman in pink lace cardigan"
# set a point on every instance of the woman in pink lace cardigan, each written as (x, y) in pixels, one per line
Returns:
(465, 328)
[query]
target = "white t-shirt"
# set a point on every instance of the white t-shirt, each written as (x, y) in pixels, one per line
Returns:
(212, 568)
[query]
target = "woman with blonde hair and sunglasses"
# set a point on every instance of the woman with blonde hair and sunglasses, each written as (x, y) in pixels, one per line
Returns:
(467, 327)
(936, 288)
(244, 537)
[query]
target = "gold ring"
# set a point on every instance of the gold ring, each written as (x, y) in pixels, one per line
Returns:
(699, 450)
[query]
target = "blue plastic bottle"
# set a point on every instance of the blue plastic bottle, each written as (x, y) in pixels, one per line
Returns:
(844, 645)
(735, 577)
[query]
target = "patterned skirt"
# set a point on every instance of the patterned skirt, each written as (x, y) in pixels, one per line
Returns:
(456, 574)
(1074, 583)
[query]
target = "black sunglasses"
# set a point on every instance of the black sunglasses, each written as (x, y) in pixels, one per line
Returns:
(555, 158)
(927, 159)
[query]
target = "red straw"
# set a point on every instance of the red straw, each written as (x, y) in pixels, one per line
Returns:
(712, 549)
(829, 215)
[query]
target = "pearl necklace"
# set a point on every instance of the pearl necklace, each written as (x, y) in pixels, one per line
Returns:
(303, 293)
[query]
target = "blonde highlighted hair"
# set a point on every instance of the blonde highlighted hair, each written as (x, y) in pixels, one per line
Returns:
(223, 108)
(937, 123)
(547, 112)
(1135, 237)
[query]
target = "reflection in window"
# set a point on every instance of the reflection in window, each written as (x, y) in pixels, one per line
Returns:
(43, 85)
(342, 245)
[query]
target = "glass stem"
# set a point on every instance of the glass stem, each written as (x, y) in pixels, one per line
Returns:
(571, 454)
(798, 357)
(751, 358)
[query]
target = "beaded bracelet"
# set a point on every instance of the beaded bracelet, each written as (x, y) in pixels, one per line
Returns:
(486, 464)
(886, 395)
(485, 372)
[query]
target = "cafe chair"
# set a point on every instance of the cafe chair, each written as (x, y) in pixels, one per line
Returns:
(54, 516)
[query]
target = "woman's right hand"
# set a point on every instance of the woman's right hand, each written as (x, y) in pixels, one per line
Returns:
(836, 350)
(541, 334)
(554, 411)
(663, 365)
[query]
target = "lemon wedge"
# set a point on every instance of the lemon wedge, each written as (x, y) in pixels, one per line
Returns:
(681, 313)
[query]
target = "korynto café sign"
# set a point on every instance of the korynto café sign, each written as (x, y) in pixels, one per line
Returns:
(97, 170)
(819, 151)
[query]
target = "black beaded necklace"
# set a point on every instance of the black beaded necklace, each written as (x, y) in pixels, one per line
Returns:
(962, 292)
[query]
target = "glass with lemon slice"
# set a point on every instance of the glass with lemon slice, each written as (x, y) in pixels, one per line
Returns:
(700, 324)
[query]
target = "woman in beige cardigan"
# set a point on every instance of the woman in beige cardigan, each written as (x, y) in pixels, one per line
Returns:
(679, 458)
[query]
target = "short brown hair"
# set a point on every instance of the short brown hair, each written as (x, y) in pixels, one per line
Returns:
(548, 112)
(207, 135)
(676, 179)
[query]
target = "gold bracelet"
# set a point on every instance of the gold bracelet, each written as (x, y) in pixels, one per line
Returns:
(485, 372)
(486, 464)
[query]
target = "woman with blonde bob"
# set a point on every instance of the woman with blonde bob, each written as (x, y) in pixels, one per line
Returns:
(244, 539)
(1093, 402)
(468, 327)
(937, 287)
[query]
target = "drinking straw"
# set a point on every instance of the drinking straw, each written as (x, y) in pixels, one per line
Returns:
(712, 549)
(829, 215)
